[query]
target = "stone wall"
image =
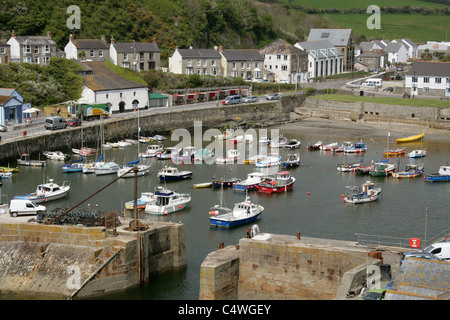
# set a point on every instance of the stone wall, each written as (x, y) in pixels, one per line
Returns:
(280, 267)
(433, 117)
(78, 262)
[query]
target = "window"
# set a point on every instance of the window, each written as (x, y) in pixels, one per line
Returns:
(125, 56)
(257, 66)
(448, 80)
(205, 72)
(141, 56)
(46, 59)
(107, 96)
(151, 55)
(248, 65)
(426, 89)
(36, 49)
(189, 71)
(325, 35)
(214, 71)
(46, 48)
(92, 53)
(242, 65)
(414, 79)
(204, 62)
(284, 67)
(437, 80)
(233, 65)
(2, 51)
(278, 56)
(199, 71)
(213, 62)
(36, 60)
(198, 63)
(26, 49)
(100, 53)
(285, 57)
(189, 63)
(426, 79)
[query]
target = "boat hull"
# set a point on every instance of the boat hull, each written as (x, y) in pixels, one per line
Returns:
(163, 210)
(361, 199)
(275, 189)
(217, 222)
(245, 187)
(437, 178)
(411, 138)
(42, 198)
(175, 178)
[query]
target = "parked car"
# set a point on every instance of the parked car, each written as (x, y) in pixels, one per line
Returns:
(440, 250)
(374, 294)
(74, 122)
(55, 122)
(3, 128)
(250, 99)
(273, 96)
(419, 255)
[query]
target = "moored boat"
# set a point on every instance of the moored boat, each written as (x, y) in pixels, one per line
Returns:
(411, 138)
(26, 161)
(145, 198)
(243, 212)
(356, 147)
(343, 167)
(167, 201)
(364, 169)
(230, 156)
(172, 174)
(315, 146)
(292, 144)
(292, 160)
(225, 183)
(46, 192)
(394, 152)
(166, 154)
(367, 192)
(269, 161)
(152, 151)
(282, 182)
(419, 153)
(383, 168)
(411, 171)
(329, 147)
(106, 168)
(250, 183)
(442, 175)
(56, 155)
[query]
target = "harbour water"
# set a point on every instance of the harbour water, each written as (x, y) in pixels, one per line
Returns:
(408, 208)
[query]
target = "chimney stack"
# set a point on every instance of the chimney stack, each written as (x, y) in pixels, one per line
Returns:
(13, 34)
(220, 48)
(112, 40)
(154, 40)
(103, 38)
(49, 34)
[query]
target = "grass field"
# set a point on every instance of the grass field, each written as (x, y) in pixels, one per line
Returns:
(348, 4)
(419, 28)
(395, 101)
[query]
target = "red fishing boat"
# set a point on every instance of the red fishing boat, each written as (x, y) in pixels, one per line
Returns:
(282, 182)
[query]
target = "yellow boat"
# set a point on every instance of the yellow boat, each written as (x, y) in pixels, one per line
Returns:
(411, 138)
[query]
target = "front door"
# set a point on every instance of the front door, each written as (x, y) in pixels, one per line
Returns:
(121, 106)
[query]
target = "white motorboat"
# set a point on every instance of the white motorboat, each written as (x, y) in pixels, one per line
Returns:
(165, 154)
(46, 192)
(417, 153)
(230, 157)
(329, 147)
(152, 151)
(106, 168)
(269, 161)
(56, 155)
(250, 183)
(142, 169)
(145, 198)
(167, 201)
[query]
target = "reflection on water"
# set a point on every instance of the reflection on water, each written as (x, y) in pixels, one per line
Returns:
(314, 206)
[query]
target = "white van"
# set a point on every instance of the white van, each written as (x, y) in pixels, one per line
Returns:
(373, 82)
(18, 206)
(55, 122)
(439, 249)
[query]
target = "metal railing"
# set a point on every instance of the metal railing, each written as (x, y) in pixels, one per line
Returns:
(367, 239)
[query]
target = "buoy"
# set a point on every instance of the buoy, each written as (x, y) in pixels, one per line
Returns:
(308, 193)
(342, 196)
(165, 212)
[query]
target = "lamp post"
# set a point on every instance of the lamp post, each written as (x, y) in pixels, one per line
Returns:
(413, 84)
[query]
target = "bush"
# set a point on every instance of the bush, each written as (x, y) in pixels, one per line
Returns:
(309, 91)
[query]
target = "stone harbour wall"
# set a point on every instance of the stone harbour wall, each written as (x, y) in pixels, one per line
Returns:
(79, 262)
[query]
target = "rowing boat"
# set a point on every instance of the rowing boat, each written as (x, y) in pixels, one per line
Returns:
(411, 138)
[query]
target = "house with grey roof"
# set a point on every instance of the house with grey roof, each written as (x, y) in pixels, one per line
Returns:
(284, 62)
(103, 86)
(32, 49)
(410, 45)
(324, 58)
(205, 62)
(373, 59)
(5, 52)
(138, 56)
(89, 49)
(342, 39)
(369, 46)
(428, 78)
(397, 52)
(244, 63)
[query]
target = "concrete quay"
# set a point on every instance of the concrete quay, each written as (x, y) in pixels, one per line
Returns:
(283, 267)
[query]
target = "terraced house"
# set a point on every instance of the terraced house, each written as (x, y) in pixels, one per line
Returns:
(204, 62)
(5, 52)
(137, 56)
(245, 63)
(32, 49)
(428, 78)
(91, 49)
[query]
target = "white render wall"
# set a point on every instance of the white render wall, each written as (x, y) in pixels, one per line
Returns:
(175, 63)
(71, 51)
(114, 97)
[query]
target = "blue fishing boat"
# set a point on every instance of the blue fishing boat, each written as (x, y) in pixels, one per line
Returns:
(73, 166)
(291, 161)
(218, 183)
(442, 175)
(243, 212)
(357, 147)
(172, 173)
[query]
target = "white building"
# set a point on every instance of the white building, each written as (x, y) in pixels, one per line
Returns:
(428, 78)
(397, 52)
(32, 49)
(284, 62)
(410, 45)
(204, 62)
(106, 87)
(324, 58)
(91, 49)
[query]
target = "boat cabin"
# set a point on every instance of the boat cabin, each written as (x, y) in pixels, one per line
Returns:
(444, 170)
